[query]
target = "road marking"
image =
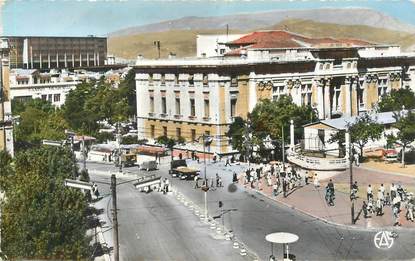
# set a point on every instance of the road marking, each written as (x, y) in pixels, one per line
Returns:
(383, 240)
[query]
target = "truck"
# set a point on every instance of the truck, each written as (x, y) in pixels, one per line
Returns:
(127, 160)
(179, 168)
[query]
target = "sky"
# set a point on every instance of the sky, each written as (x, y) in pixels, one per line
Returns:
(99, 17)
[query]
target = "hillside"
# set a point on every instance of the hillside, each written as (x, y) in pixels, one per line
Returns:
(183, 42)
(251, 21)
(180, 42)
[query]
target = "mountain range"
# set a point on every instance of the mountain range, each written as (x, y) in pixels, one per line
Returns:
(179, 36)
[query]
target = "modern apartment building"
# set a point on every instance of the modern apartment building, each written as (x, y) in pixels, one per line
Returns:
(337, 77)
(44, 52)
(6, 120)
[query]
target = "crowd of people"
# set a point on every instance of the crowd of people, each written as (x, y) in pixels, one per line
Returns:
(396, 198)
(281, 178)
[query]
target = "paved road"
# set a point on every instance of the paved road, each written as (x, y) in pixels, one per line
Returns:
(257, 216)
(157, 227)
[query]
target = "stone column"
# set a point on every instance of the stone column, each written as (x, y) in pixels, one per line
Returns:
(327, 104)
(40, 60)
(252, 92)
(354, 106)
(80, 59)
(95, 58)
(347, 143)
(48, 60)
(292, 134)
(66, 62)
(320, 100)
(31, 57)
(73, 60)
(87, 59)
(348, 94)
(57, 60)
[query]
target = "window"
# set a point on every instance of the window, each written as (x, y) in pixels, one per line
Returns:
(206, 106)
(361, 94)
(163, 105)
(205, 80)
(234, 81)
(191, 82)
(152, 131)
(336, 99)
(306, 94)
(57, 97)
(177, 106)
(327, 66)
(321, 66)
(193, 134)
(150, 78)
(178, 132)
(176, 79)
(233, 107)
(44, 97)
(222, 51)
(382, 87)
(162, 79)
(164, 131)
(192, 107)
(207, 133)
(151, 104)
(50, 97)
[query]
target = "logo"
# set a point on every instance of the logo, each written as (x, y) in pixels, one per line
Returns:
(383, 240)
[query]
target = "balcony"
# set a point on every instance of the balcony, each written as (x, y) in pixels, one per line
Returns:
(151, 114)
(192, 117)
(206, 118)
(163, 115)
(178, 116)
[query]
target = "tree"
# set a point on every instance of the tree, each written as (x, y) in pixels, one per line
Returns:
(394, 100)
(363, 129)
(236, 134)
(41, 218)
(168, 142)
(127, 90)
(405, 124)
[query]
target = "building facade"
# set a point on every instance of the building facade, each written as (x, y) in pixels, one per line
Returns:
(28, 84)
(214, 45)
(6, 120)
(35, 52)
(191, 97)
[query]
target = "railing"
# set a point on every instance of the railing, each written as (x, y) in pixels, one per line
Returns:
(314, 163)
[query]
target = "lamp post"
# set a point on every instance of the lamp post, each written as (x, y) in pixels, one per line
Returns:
(206, 141)
(71, 136)
(350, 155)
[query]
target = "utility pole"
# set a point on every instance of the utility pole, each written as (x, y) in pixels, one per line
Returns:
(206, 187)
(247, 143)
(114, 217)
(352, 199)
(119, 147)
(283, 148)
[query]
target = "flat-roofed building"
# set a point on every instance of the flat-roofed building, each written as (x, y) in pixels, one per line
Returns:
(337, 77)
(6, 119)
(46, 52)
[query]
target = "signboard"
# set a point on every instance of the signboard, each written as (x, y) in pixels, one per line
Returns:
(78, 184)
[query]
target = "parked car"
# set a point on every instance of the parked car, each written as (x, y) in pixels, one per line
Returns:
(148, 165)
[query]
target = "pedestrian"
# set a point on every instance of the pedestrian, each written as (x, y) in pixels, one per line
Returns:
(393, 191)
(379, 207)
(166, 185)
(355, 189)
(196, 179)
(369, 192)
(306, 177)
(364, 209)
(382, 189)
(400, 191)
(212, 183)
(217, 180)
(387, 199)
(316, 181)
(395, 213)
(275, 189)
(180, 156)
(220, 184)
(356, 159)
(193, 155)
(227, 162)
(284, 187)
(235, 177)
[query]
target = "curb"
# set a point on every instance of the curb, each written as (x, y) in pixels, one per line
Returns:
(103, 242)
(331, 222)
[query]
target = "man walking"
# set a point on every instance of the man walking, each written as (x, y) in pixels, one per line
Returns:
(369, 192)
(196, 179)
(227, 162)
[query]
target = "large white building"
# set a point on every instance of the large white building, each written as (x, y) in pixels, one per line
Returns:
(31, 84)
(214, 45)
(195, 96)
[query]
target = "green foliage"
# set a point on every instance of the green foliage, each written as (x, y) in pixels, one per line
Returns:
(406, 131)
(127, 90)
(363, 130)
(236, 133)
(6, 169)
(104, 136)
(129, 140)
(42, 218)
(38, 120)
(394, 100)
(267, 120)
(168, 142)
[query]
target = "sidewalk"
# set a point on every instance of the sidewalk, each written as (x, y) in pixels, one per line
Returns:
(310, 201)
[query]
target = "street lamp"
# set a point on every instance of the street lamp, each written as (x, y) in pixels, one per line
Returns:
(71, 136)
(207, 140)
(350, 155)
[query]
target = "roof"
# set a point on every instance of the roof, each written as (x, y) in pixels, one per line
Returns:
(341, 123)
(285, 39)
(23, 72)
